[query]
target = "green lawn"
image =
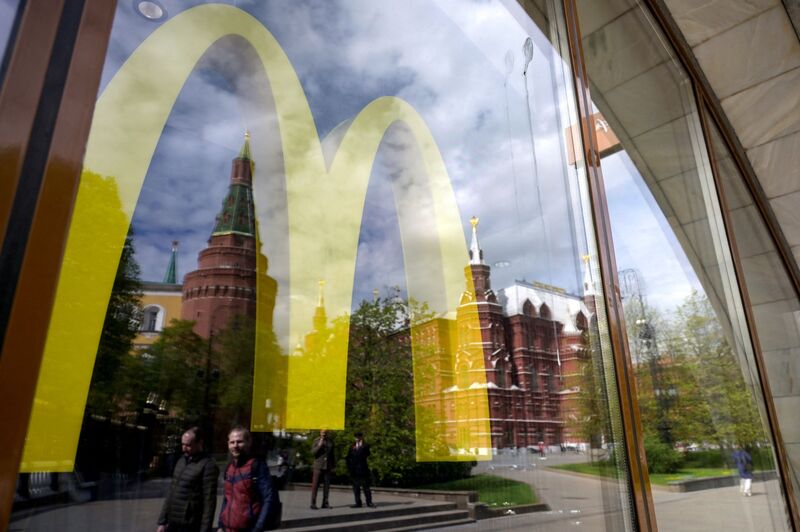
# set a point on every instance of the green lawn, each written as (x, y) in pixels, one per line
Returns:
(688, 473)
(494, 491)
(662, 479)
(600, 469)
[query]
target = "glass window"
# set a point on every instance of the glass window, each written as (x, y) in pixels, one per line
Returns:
(710, 458)
(380, 232)
(776, 308)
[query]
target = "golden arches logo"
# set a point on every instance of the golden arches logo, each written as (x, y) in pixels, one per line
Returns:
(325, 206)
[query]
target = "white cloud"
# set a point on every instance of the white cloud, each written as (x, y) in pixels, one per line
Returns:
(447, 59)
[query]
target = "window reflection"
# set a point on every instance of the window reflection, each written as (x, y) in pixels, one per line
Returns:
(379, 232)
(774, 301)
(707, 445)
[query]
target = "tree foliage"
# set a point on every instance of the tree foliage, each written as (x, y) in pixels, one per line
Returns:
(593, 423)
(693, 382)
(236, 348)
(173, 368)
(120, 327)
(380, 393)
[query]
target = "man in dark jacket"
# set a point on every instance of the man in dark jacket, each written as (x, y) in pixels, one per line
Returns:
(192, 497)
(359, 469)
(250, 503)
(324, 462)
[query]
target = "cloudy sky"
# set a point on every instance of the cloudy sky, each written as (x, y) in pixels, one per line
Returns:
(7, 10)
(458, 63)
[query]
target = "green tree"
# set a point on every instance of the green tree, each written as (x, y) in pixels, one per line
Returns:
(592, 403)
(120, 327)
(172, 368)
(719, 375)
(380, 397)
(236, 348)
(690, 379)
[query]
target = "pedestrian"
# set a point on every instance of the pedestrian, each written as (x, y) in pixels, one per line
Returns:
(541, 449)
(324, 461)
(192, 496)
(744, 463)
(358, 467)
(283, 472)
(250, 503)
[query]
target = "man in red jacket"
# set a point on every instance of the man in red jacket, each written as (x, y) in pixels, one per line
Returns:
(250, 503)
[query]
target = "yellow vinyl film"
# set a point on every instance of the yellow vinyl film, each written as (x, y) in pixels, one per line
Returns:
(325, 207)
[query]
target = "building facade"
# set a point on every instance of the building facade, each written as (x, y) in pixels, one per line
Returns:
(530, 355)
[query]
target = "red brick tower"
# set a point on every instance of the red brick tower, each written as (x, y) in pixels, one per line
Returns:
(224, 283)
(488, 351)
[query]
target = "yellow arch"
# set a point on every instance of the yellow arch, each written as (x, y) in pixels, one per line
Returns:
(324, 212)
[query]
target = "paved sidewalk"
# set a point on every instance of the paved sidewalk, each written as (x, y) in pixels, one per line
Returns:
(134, 514)
(582, 502)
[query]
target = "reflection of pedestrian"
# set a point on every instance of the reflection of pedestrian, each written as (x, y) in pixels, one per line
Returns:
(322, 450)
(192, 496)
(744, 463)
(282, 471)
(250, 502)
(359, 469)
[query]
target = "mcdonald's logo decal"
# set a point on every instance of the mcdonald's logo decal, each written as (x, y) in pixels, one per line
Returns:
(325, 204)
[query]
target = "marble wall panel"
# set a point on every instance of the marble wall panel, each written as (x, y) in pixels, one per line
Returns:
(699, 235)
(621, 50)
(667, 150)
(767, 111)
(684, 196)
(787, 408)
(734, 60)
(777, 165)
(787, 211)
(699, 20)
(649, 100)
(777, 324)
(783, 370)
(752, 237)
(793, 455)
(766, 278)
(737, 195)
(595, 15)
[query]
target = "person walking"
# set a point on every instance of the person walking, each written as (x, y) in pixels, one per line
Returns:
(358, 467)
(250, 502)
(744, 463)
(192, 496)
(324, 461)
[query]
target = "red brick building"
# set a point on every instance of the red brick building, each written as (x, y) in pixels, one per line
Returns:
(531, 348)
(224, 283)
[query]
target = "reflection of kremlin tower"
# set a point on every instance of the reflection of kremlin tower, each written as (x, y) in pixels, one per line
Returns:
(314, 339)
(224, 283)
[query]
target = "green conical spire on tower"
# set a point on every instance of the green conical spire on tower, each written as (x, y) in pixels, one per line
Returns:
(238, 214)
(172, 268)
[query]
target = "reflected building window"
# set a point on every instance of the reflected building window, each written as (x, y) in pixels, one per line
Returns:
(153, 319)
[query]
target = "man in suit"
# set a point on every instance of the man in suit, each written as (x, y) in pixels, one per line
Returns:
(359, 469)
(324, 462)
